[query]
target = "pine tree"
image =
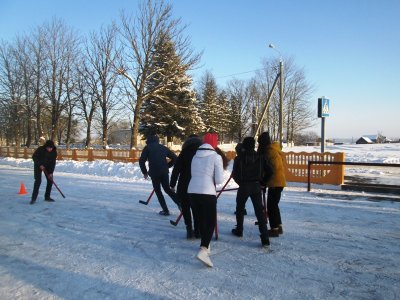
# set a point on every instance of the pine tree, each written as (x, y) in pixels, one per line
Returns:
(225, 113)
(172, 111)
(208, 102)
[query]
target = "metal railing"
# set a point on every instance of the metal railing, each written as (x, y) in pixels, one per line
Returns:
(342, 163)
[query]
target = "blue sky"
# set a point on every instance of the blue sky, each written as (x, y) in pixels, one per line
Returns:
(350, 49)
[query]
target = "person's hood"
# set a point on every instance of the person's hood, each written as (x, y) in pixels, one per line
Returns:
(239, 149)
(205, 150)
(152, 139)
(191, 142)
(264, 139)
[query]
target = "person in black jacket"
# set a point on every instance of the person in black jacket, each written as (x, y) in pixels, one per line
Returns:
(44, 159)
(249, 171)
(157, 154)
(182, 170)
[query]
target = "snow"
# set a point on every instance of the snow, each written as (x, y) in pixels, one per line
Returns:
(100, 243)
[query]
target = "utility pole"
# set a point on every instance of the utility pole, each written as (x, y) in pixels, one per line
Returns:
(281, 82)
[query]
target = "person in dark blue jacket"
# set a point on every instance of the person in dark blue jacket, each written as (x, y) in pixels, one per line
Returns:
(44, 159)
(182, 170)
(156, 155)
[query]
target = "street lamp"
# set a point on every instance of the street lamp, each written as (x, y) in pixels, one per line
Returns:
(272, 46)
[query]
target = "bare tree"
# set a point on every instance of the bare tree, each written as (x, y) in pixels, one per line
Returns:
(60, 46)
(297, 108)
(26, 73)
(87, 100)
(36, 49)
(299, 112)
(140, 36)
(243, 102)
(11, 90)
(100, 73)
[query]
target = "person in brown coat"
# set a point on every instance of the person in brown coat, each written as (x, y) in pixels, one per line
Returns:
(276, 183)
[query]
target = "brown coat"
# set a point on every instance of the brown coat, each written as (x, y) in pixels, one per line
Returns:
(274, 158)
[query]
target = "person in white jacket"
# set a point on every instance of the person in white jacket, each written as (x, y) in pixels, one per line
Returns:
(207, 171)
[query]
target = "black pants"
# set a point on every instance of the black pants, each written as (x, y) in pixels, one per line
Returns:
(206, 208)
(187, 210)
(274, 214)
(38, 180)
(252, 190)
(163, 180)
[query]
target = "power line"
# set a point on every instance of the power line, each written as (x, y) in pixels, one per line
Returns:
(231, 75)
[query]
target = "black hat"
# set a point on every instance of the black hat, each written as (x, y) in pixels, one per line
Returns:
(264, 138)
(248, 143)
(49, 144)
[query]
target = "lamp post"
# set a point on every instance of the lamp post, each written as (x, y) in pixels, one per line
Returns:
(272, 46)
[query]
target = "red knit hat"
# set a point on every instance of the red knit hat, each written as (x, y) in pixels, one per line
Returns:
(212, 139)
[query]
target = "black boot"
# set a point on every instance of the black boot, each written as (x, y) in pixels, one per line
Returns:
(273, 232)
(49, 199)
(264, 241)
(237, 232)
(33, 200)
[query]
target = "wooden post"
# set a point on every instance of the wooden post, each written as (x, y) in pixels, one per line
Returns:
(74, 155)
(59, 154)
(340, 169)
(109, 154)
(90, 155)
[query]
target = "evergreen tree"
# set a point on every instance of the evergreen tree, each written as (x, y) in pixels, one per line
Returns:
(209, 106)
(225, 113)
(171, 112)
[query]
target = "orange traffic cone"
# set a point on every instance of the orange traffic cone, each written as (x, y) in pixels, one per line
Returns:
(22, 190)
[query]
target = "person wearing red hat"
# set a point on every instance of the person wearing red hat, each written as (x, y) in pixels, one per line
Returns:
(206, 172)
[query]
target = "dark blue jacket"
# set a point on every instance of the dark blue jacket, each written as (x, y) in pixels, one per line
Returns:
(156, 154)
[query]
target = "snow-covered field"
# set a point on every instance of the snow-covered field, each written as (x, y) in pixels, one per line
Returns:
(100, 243)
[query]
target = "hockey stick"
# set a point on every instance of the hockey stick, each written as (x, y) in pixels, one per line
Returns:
(52, 181)
(264, 207)
(180, 215)
(219, 194)
(177, 220)
(148, 199)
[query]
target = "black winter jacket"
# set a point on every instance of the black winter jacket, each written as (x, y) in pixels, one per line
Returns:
(249, 166)
(157, 155)
(41, 157)
(182, 168)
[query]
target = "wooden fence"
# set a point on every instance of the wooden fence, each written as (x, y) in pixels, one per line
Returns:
(296, 163)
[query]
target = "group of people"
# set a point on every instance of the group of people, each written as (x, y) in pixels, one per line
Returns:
(199, 169)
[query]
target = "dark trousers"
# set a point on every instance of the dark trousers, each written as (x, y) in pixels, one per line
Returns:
(38, 180)
(163, 180)
(274, 214)
(206, 208)
(252, 190)
(187, 210)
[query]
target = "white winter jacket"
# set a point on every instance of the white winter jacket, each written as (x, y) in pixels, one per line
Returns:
(207, 171)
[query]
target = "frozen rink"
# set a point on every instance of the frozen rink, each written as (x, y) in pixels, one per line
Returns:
(100, 243)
